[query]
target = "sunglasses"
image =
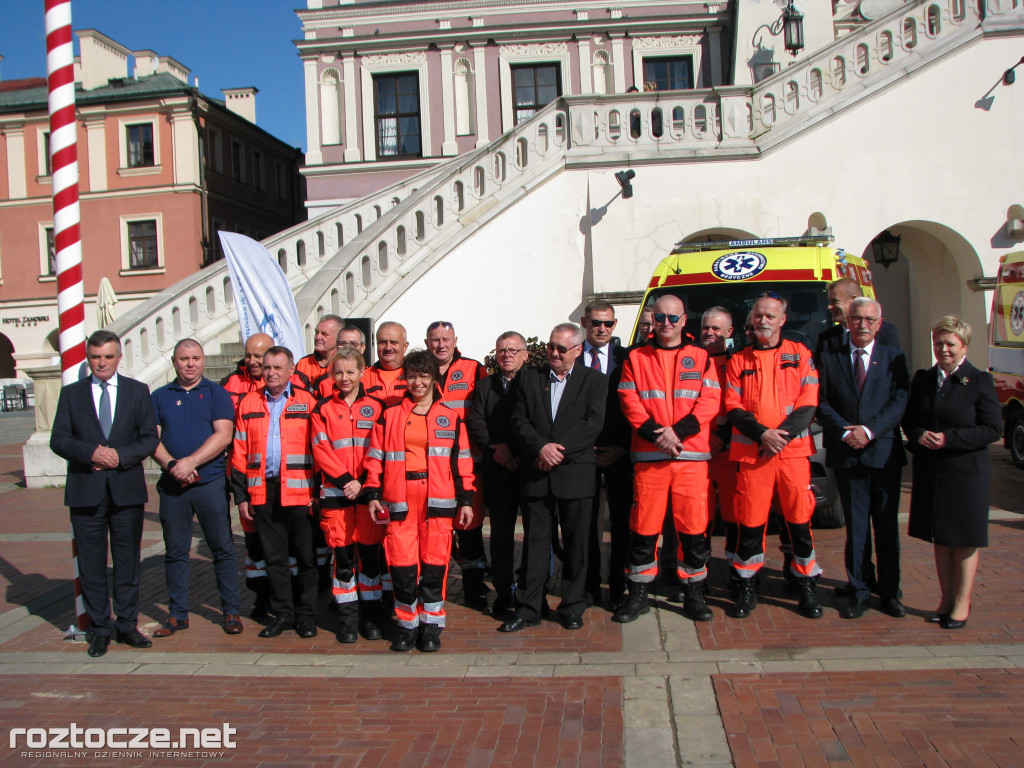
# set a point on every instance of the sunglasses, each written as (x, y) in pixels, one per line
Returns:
(605, 323)
(552, 347)
(439, 324)
(660, 317)
(769, 295)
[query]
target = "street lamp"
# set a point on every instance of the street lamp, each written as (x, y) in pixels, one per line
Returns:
(624, 178)
(793, 29)
(885, 249)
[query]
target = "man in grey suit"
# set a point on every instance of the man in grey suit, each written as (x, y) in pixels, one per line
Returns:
(105, 427)
(557, 416)
(863, 387)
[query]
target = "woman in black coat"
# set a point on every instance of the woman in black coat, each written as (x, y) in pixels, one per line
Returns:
(951, 417)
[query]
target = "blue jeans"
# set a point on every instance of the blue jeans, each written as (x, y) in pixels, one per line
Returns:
(209, 504)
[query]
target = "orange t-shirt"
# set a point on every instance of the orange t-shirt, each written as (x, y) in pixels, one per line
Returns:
(416, 443)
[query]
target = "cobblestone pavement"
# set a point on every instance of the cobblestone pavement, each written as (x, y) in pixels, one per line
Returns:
(772, 691)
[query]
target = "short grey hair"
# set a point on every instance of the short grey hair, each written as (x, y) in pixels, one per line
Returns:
(357, 329)
(715, 311)
(862, 301)
(577, 332)
(510, 335)
(954, 325)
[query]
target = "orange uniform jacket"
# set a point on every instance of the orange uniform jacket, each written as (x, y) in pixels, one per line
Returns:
(341, 437)
(248, 457)
(771, 388)
(450, 480)
(721, 423)
(375, 385)
(459, 383)
(240, 383)
(308, 370)
(675, 387)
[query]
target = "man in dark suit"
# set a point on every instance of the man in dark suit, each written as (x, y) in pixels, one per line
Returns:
(601, 352)
(105, 428)
(557, 415)
(840, 293)
(490, 428)
(863, 393)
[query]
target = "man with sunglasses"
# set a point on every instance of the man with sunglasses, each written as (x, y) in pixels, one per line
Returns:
(601, 352)
(557, 416)
(459, 376)
(771, 398)
(670, 394)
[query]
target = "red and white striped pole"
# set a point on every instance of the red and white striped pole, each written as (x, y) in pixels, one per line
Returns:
(60, 75)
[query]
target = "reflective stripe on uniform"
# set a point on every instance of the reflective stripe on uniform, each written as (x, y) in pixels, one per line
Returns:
(686, 394)
(443, 503)
(398, 506)
(253, 482)
(652, 394)
(711, 383)
(298, 461)
(319, 437)
(747, 569)
(627, 385)
(432, 613)
(299, 482)
(375, 453)
(394, 456)
(645, 573)
(438, 451)
(456, 403)
(691, 575)
(240, 435)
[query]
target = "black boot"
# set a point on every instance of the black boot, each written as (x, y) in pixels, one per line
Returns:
(370, 619)
(792, 582)
(694, 606)
(474, 591)
(636, 604)
(809, 605)
(430, 638)
(404, 641)
(348, 614)
(746, 598)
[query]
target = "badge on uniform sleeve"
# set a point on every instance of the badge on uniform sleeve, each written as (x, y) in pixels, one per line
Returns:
(366, 411)
(443, 421)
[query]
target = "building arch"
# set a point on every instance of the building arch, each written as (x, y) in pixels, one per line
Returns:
(7, 364)
(930, 278)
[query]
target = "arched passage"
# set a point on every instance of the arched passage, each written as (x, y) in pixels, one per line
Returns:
(930, 279)
(7, 365)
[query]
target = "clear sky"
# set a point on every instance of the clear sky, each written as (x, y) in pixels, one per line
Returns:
(226, 44)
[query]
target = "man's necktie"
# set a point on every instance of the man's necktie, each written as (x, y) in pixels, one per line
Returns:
(106, 420)
(860, 372)
(595, 359)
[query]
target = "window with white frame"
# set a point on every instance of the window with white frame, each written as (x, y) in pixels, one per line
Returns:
(669, 73)
(47, 251)
(533, 87)
(44, 153)
(396, 98)
(141, 243)
(139, 143)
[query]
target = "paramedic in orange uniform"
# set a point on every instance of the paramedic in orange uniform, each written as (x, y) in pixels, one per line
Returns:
(771, 398)
(385, 379)
(316, 365)
(670, 395)
(419, 481)
(341, 427)
(459, 376)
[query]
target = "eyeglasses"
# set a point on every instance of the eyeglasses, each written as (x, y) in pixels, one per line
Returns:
(599, 323)
(561, 350)
(510, 351)
(660, 317)
(439, 324)
(856, 320)
(350, 343)
(645, 324)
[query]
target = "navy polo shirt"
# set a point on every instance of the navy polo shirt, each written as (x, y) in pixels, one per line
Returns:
(186, 419)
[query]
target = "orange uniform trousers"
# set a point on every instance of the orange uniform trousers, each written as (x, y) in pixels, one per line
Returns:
(351, 531)
(418, 549)
(655, 484)
(790, 479)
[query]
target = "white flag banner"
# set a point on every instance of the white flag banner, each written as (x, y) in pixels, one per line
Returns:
(263, 297)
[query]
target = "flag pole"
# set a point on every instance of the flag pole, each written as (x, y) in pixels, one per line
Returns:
(60, 79)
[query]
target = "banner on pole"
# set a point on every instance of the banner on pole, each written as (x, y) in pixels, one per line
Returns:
(263, 297)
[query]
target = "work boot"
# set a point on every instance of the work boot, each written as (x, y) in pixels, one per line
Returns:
(694, 606)
(746, 598)
(809, 605)
(474, 591)
(636, 605)
(347, 631)
(792, 582)
(430, 638)
(370, 619)
(404, 641)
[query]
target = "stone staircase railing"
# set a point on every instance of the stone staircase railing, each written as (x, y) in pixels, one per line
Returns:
(358, 259)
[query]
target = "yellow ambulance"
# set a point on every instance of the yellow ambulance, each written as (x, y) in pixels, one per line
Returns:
(1006, 350)
(732, 273)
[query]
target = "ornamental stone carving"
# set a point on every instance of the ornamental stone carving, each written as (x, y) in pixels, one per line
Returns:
(387, 59)
(533, 49)
(667, 41)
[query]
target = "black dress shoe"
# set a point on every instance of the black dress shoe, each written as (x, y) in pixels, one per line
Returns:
(893, 607)
(276, 627)
(517, 623)
(347, 635)
(134, 638)
(948, 622)
(854, 609)
(305, 628)
(936, 618)
(571, 621)
(98, 645)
